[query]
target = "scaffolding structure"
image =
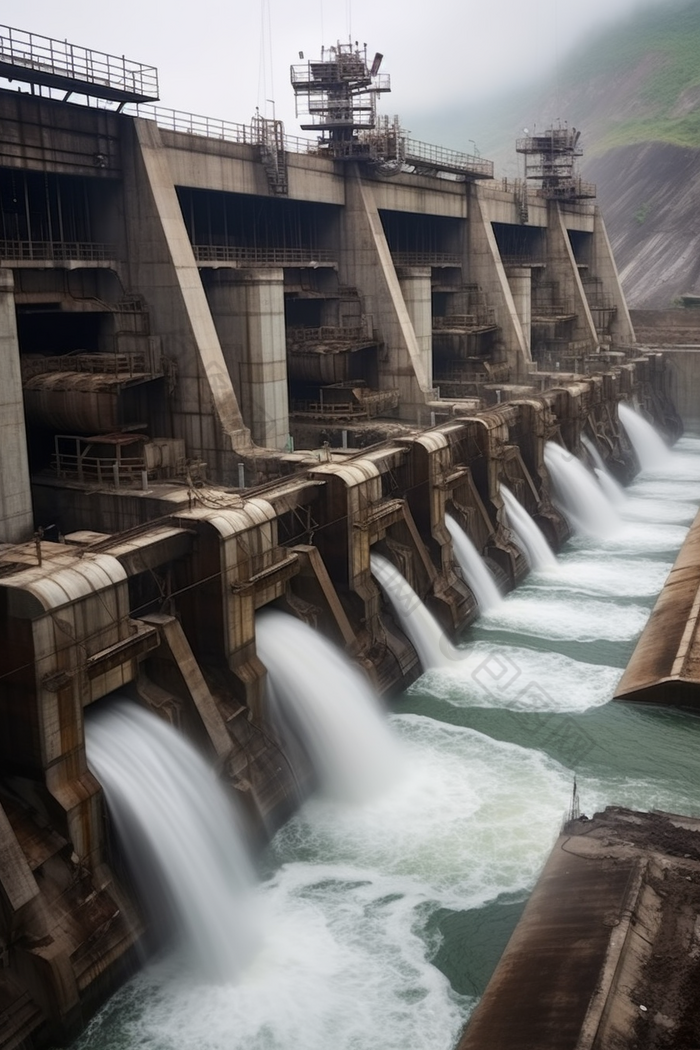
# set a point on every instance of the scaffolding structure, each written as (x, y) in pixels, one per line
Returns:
(338, 95)
(550, 157)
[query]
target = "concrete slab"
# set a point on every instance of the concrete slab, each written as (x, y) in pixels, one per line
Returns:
(665, 666)
(606, 953)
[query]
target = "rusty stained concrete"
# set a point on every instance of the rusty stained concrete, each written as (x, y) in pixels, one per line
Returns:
(665, 665)
(607, 953)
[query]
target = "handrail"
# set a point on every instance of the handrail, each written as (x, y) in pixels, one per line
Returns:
(262, 256)
(58, 251)
(46, 56)
(426, 259)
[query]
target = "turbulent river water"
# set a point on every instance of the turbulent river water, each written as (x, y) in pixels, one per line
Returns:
(383, 920)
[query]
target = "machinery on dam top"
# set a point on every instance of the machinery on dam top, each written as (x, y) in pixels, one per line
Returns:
(550, 158)
(338, 95)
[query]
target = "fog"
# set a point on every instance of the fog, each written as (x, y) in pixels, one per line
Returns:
(225, 59)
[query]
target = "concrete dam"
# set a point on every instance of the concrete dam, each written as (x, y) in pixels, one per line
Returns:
(245, 377)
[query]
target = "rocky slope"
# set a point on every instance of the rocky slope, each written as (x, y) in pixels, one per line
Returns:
(634, 90)
(650, 197)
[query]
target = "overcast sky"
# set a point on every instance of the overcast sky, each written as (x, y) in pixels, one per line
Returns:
(222, 58)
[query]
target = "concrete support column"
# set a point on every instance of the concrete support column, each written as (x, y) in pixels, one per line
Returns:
(416, 285)
(485, 267)
(16, 518)
(161, 264)
(562, 268)
(606, 270)
(365, 263)
(248, 311)
(520, 281)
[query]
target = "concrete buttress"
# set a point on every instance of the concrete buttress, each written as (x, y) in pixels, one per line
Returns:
(16, 518)
(162, 264)
(366, 264)
(486, 269)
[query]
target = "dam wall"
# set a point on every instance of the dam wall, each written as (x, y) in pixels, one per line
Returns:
(224, 390)
(178, 313)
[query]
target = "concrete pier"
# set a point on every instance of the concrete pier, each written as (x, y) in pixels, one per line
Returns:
(665, 665)
(16, 517)
(606, 952)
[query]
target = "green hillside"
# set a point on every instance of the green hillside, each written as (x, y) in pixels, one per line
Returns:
(636, 81)
(650, 67)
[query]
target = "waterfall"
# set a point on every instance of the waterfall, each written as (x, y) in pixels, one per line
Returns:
(651, 451)
(593, 452)
(475, 571)
(179, 832)
(321, 699)
(528, 535)
(428, 639)
(612, 488)
(582, 499)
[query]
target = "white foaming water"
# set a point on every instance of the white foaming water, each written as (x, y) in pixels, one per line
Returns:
(438, 832)
(595, 455)
(538, 552)
(635, 538)
(476, 573)
(426, 635)
(513, 678)
(329, 703)
(652, 453)
(346, 961)
(576, 618)
(180, 833)
(583, 501)
(675, 512)
(586, 572)
(612, 489)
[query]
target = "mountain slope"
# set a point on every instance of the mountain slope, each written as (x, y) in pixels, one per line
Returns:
(649, 194)
(634, 90)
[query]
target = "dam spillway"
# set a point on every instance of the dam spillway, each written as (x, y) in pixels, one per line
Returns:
(225, 393)
(408, 899)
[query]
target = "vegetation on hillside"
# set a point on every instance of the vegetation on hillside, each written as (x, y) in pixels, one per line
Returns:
(635, 81)
(655, 55)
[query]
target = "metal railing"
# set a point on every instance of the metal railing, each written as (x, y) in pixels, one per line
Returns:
(326, 334)
(262, 256)
(367, 404)
(426, 259)
(97, 470)
(417, 152)
(454, 321)
(214, 128)
(553, 310)
(121, 364)
(57, 58)
(523, 259)
(442, 159)
(482, 317)
(508, 185)
(57, 251)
